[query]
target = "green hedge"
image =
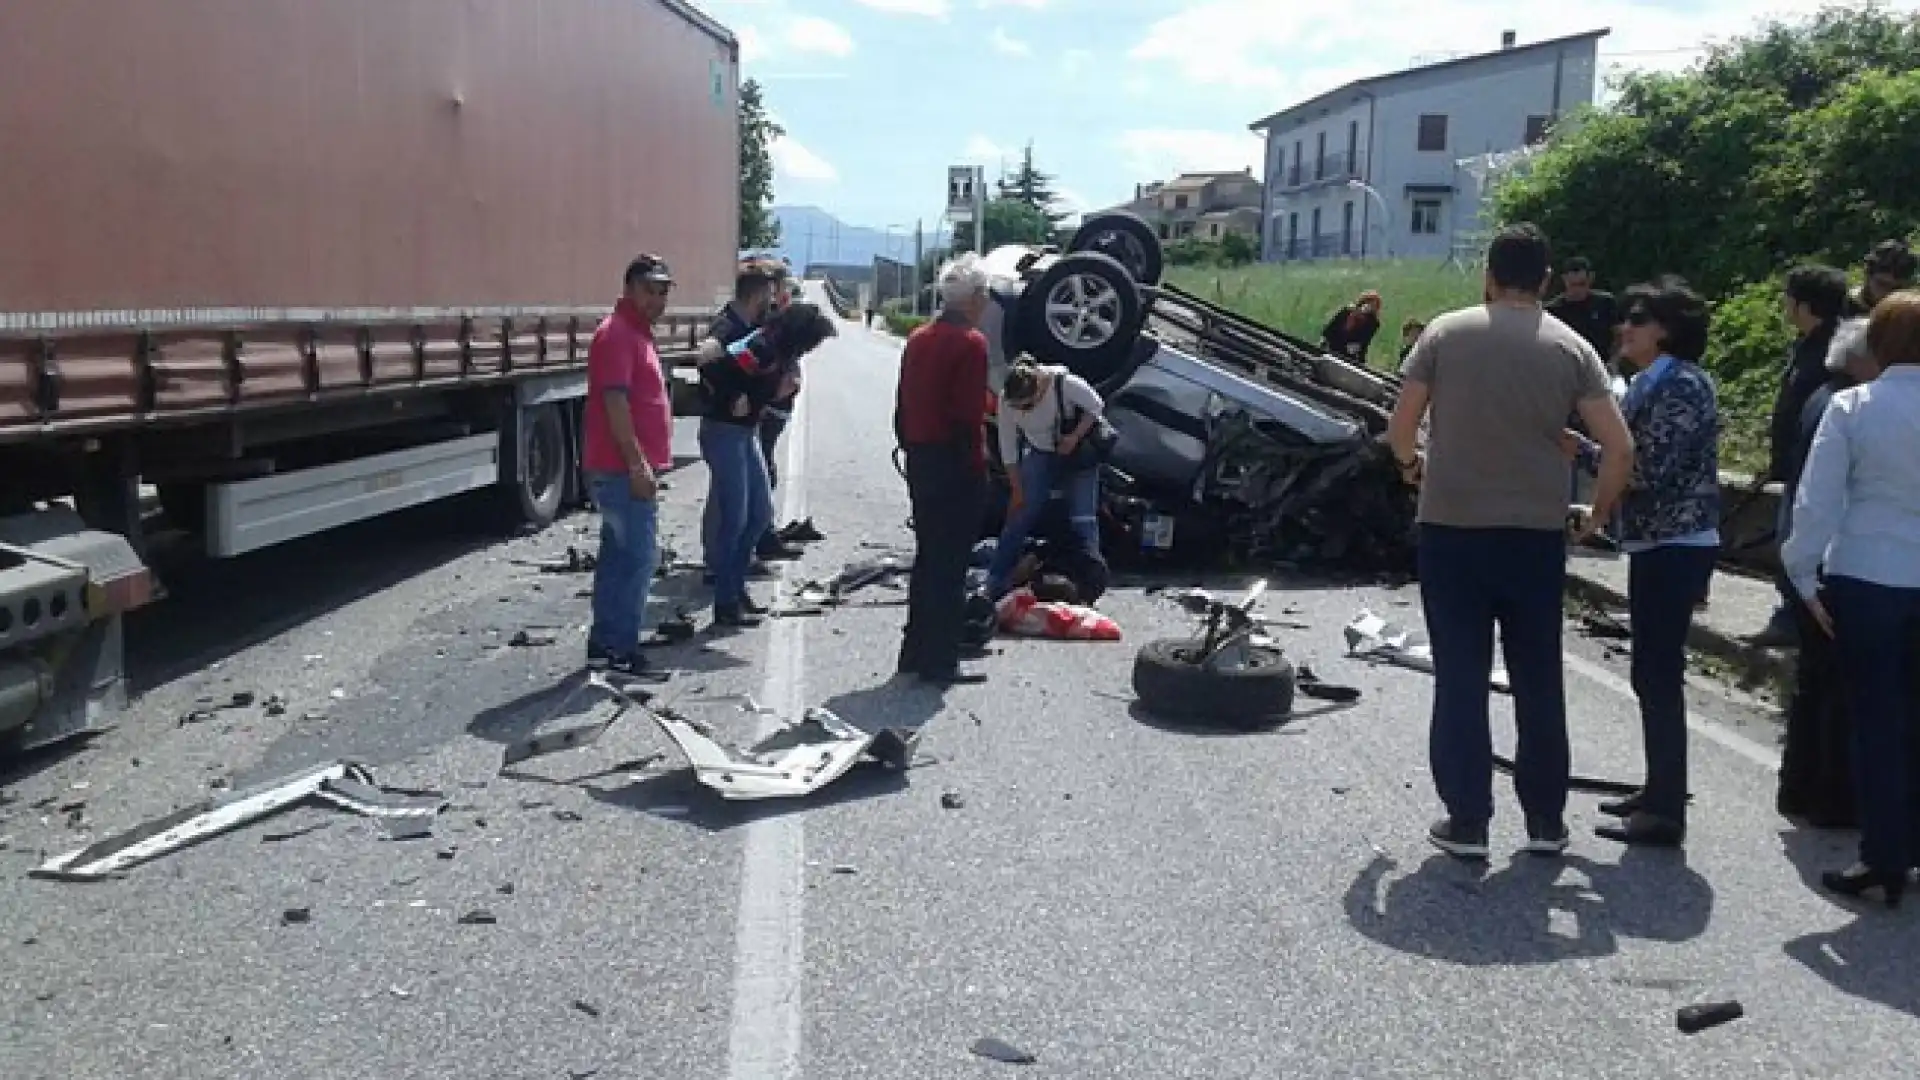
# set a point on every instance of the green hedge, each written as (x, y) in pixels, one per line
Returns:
(902, 325)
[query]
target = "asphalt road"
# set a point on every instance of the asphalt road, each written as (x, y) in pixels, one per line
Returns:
(1121, 899)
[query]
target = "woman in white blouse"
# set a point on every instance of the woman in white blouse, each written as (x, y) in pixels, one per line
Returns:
(1856, 524)
(1047, 411)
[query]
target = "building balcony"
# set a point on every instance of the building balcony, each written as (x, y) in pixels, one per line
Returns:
(1333, 169)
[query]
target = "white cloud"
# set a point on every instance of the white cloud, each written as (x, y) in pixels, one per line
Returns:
(811, 34)
(792, 161)
(1007, 45)
(933, 9)
(981, 150)
(753, 45)
(1283, 53)
(1160, 153)
(1030, 5)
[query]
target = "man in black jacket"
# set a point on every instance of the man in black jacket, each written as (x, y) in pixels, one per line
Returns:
(754, 290)
(1816, 297)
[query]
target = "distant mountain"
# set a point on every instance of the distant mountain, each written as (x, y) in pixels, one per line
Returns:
(811, 236)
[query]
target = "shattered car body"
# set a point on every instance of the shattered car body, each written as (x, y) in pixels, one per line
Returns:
(1225, 426)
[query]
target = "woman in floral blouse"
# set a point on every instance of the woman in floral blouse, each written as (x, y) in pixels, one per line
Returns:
(1669, 529)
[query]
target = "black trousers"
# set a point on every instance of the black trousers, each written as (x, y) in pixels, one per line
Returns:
(770, 429)
(949, 494)
(1662, 585)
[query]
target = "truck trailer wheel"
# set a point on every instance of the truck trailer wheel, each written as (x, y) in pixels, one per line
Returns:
(1084, 312)
(1125, 238)
(539, 483)
(1169, 683)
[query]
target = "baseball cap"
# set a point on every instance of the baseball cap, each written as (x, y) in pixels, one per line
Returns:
(650, 268)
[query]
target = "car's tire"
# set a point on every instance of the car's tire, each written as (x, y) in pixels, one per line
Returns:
(542, 458)
(1126, 238)
(1084, 313)
(1167, 683)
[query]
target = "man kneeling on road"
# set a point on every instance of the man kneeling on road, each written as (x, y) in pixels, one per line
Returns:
(1500, 379)
(628, 442)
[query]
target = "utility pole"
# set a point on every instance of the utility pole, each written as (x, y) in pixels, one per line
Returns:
(919, 253)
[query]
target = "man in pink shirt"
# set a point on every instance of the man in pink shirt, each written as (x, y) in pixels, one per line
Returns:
(628, 443)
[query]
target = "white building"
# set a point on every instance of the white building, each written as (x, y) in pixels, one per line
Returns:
(1375, 168)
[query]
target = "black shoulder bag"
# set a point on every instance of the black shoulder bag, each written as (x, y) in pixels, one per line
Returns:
(1092, 451)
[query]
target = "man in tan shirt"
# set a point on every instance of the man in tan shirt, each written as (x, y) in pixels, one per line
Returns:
(1499, 380)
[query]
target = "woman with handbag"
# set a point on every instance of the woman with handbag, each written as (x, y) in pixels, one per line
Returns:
(1056, 416)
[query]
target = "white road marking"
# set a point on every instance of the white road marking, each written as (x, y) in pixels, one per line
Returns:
(1763, 756)
(768, 957)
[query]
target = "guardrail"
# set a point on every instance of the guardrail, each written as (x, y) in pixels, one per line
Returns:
(842, 306)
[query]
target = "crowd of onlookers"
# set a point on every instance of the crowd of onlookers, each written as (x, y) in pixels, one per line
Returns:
(1497, 383)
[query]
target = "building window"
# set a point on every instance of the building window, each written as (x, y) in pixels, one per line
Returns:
(1163, 232)
(1179, 202)
(1293, 235)
(1537, 129)
(1433, 133)
(1353, 148)
(1426, 217)
(1320, 158)
(1346, 229)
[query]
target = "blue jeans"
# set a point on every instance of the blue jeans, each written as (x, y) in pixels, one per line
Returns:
(737, 485)
(623, 573)
(770, 431)
(1040, 473)
(1472, 580)
(1874, 627)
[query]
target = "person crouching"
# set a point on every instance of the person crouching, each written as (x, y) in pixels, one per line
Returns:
(1049, 412)
(741, 381)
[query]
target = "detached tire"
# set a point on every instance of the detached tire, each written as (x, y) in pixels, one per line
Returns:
(1126, 238)
(1084, 313)
(542, 459)
(1169, 684)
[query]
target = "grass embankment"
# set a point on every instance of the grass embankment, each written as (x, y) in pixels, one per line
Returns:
(1299, 300)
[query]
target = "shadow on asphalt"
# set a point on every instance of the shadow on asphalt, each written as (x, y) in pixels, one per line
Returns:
(1455, 911)
(1871, 958)
(218, 607)
(1285, 725)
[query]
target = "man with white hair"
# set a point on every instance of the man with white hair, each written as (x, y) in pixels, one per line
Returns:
(940, 420)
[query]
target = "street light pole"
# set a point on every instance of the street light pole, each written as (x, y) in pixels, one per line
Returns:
(1386, 217)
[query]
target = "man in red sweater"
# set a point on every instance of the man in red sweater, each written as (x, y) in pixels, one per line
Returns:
(939, 420)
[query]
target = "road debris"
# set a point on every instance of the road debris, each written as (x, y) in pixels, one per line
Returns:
(587, 1007)
(574, 561)
(478, 917)
(346, 785)
(952, 801)
(295, 916)
(533, 638)
(1311, 685)
(1370, 637)
(1693, 1019)
(1002, 1051)
(845, 869)
(294, 834)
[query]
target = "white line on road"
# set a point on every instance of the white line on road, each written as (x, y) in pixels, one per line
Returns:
(768, 958)
(1707, 729)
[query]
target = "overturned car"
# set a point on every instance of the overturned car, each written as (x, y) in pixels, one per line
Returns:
(1234, 439)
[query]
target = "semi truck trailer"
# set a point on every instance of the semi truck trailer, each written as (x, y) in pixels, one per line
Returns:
(281, 265)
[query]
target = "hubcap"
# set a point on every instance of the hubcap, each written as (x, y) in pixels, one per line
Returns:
(1083, 312)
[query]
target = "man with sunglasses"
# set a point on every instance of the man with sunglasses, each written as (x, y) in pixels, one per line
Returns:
(628, 442)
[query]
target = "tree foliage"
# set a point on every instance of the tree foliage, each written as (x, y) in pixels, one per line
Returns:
(1008, 221)
(1031, 188)
(758, 227)
(1795, 143)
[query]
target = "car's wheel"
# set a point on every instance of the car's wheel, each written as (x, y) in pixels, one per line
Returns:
(1125, 238)
(1085, 313)
(1169, 683)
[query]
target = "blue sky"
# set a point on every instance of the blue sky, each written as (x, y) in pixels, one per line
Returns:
(879, 96)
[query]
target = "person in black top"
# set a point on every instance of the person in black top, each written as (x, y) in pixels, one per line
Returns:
(753, 296)
(740, 381)
(1349, 333)
(1590, 312)
(1889, 267)
(1816, 296)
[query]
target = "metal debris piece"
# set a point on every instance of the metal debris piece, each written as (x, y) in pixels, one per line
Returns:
(1370, 637)
(292, 834)
(1001, 1051)
(587, 1007)
(794, 761)
(478, 917)
(533, 638)
(404, 815)
(276, 705)
(1693, 1019)
(567, 816)
(295, 916)
(182, 828)
(952, 801)
(846, 869)
(1310, 685)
